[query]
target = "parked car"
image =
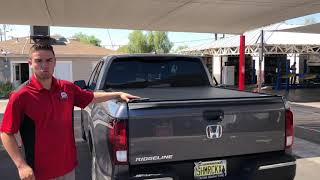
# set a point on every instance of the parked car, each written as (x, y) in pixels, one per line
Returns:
(184, 127)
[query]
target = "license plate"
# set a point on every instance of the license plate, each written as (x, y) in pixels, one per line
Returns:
(210, 169)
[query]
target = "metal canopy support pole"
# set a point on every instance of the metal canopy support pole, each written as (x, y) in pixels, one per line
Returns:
(287, 75)
(260, 62)
(241, 62)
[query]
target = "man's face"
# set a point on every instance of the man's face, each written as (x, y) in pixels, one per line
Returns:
(42, 63)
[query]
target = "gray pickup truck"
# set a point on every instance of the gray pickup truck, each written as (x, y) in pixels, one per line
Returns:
(183, 128)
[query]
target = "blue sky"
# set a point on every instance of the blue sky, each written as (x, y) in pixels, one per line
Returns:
(120, 37)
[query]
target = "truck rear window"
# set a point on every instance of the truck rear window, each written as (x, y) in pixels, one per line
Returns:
(139, 72)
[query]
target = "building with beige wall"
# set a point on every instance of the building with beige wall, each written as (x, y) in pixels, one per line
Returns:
(75, 60)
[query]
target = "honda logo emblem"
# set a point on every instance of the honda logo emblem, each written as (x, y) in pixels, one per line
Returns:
(214, 131)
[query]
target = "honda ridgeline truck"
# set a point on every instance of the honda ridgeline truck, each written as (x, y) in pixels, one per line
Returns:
(183, 127)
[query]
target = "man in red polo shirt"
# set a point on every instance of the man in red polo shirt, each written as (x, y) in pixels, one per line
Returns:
(41, 110)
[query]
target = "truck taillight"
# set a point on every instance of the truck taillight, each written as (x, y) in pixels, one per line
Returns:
(118, 141)
(289, 128)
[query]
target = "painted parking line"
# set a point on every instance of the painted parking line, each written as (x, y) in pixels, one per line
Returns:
(306, 149)
(309, 128)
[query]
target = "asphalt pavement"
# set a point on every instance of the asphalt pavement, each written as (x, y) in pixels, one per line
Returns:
(306, 147)
(307, 121)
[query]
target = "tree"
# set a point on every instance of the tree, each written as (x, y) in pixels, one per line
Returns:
(162, 43)
(181, 47)
(150, 40)
(123, 49)
(137, 42)
(87, 39)
(153, 41)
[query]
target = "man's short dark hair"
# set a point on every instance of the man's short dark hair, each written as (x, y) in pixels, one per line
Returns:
(40, 46)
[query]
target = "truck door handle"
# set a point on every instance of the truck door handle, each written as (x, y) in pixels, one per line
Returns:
(213, 115)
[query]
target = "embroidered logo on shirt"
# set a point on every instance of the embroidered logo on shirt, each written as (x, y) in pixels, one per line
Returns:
(63, 96)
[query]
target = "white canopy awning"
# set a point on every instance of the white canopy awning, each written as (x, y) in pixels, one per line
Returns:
(312, 28)
(275, 42)
(272, 36)
(221, 16)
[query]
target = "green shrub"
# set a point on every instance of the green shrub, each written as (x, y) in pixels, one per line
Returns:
(5, 89)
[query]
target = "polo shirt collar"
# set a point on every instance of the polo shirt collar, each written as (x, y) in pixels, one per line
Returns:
(34, 81)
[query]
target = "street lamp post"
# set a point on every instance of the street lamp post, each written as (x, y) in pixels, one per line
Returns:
(3, 32)
(261, 49)
(0, 34)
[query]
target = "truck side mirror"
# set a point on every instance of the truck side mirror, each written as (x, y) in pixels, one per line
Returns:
(81, 84)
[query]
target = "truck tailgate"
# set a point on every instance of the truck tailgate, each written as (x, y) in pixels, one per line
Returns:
(166, 131)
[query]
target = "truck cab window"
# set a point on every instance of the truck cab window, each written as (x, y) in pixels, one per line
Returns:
(94, 76)
(148, 72)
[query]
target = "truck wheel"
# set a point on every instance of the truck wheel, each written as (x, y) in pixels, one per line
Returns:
(93, 165)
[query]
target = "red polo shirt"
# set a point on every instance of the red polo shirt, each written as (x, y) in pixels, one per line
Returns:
(44, 119)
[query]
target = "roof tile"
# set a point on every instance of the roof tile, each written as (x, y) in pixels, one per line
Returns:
(21, 46)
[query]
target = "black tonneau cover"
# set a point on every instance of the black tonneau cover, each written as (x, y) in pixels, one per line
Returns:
(196, 123)
(189, 93)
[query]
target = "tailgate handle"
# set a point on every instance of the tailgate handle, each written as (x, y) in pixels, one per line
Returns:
(213, 115)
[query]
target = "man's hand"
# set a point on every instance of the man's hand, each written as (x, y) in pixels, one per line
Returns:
(105, 96)
(10, 144)
(26, 173)
(126, 97)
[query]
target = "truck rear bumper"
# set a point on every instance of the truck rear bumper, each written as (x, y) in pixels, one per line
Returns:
(265, 166)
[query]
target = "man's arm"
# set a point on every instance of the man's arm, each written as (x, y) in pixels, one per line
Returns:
(10, 144)
(105, 96)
